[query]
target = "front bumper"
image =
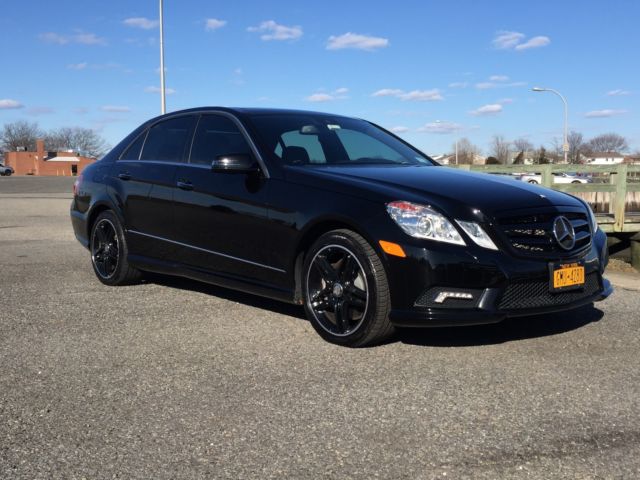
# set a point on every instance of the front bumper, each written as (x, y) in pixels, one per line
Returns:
(502, 285)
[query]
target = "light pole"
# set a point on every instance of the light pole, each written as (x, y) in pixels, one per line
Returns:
(163, 102)
(565, 143)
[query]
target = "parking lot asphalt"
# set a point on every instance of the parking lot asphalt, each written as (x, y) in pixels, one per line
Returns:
(176, 379)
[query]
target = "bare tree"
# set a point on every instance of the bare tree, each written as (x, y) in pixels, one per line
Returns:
(522, 145)
(500, 149)
(81, 140)
(19, 134)
(607, 142)
(467, 151)
(576, 147)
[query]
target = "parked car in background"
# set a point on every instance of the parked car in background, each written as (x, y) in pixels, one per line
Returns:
(6, 170)
(558, 177)
(337, 215)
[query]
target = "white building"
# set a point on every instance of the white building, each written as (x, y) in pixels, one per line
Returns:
(604, 158)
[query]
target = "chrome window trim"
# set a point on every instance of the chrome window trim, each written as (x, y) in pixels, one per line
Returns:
(243, 132)
(205, 250)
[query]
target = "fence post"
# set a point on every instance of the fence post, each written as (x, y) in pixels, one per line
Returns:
(547, 178)
(619, 202)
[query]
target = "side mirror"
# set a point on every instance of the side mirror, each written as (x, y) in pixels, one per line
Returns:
(235, 163)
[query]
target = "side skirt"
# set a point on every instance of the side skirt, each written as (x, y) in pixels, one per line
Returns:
(214, 278)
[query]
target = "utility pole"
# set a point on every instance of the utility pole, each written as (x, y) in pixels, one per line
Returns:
(565, 143)
(163, 101)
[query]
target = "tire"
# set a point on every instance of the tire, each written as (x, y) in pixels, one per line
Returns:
(8, 174)
(109, 251)
(576, 181)
(345, 290)
(533, 182)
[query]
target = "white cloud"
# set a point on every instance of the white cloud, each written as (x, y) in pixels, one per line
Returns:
(214, 24)
(141, 22)
(606, 113)
(116, 108)
(422, 95)
(618, 93)
(356, 41)
(387, 92)
(80, 37)
(498, 78)
(77, 66)
(399, 129)
(459, 85)
(414, 95)
(488, 85)
(534, 42)
(320, 97)
(154, 89)
(338, 94)
(439, 127)
(506, 40)
(485, 110)
(10, 104)
(272, 31)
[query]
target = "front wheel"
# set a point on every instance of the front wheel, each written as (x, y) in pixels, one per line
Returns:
(346, 294)
(109, 252)
(533, 182)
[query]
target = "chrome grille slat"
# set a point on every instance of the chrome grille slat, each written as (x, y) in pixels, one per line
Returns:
(532, 234)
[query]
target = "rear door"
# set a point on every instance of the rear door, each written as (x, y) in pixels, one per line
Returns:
(145, 184)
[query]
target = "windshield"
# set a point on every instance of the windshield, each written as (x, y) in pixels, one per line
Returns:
(308, 139)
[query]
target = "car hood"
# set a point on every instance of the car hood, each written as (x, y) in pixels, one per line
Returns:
(486, 192)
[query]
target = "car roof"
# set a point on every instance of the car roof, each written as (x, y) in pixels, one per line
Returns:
(247, 111)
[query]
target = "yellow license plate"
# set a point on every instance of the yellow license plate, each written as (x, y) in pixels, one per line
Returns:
(570, 275)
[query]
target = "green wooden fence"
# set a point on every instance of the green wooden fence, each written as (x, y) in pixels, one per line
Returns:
(620, 181)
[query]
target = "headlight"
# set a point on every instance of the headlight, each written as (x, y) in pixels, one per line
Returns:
(423, 222)
(477, 234)
(592, 219)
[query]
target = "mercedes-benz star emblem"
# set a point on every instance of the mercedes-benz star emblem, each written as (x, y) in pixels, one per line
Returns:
(564, 232)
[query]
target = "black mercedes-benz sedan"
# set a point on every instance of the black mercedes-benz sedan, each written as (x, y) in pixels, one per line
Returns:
(338, 215)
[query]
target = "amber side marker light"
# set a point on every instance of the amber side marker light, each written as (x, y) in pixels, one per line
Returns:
(392, 249)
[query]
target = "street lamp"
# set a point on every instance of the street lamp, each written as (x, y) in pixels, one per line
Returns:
(163, 102)
(565, 143)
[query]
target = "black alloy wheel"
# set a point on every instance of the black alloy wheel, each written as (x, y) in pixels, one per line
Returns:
(109, 252)
(345, 289)
(105, 251)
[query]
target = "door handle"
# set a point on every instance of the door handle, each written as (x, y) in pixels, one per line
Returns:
(124, 176)
(185, 185)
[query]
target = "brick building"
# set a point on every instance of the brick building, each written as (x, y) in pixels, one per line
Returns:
(41, 162)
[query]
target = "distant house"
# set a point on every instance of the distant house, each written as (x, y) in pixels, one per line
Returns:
(632, 159)
(41, 162)
(451, 159)
(604, 158)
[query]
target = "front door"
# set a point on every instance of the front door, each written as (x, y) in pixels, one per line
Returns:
(220, 217)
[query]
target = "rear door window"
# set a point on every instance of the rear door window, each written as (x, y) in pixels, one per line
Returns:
(168, 141)
(133, 151)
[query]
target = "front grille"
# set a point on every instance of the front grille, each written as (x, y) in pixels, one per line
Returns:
(520, 295)
(532, 235)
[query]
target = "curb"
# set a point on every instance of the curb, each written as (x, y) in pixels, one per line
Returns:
(626, 281)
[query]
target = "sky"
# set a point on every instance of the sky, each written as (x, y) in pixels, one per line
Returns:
(431, 71)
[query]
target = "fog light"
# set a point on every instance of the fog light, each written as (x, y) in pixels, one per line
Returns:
(443, 296)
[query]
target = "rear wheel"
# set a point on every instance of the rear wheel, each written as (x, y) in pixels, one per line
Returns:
(109, 252)
(346, 294)
(533, 182)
